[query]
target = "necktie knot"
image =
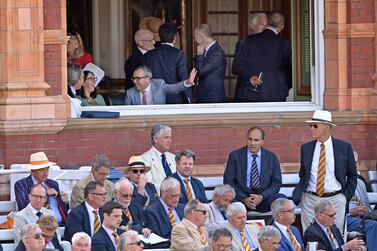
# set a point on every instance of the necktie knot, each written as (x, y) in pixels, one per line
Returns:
(255, 156)
(39, 214)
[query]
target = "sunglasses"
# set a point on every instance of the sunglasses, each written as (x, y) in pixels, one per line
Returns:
(201, 210)
(135, 171)
(135, 243)
(37, 236)
(330, 215)
(313, 126)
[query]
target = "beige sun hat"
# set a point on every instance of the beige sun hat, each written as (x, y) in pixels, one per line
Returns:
(38, 161)
(321, 116)
(136, 162)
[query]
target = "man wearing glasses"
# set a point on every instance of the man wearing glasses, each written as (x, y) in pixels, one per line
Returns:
(190, 233)
(32, 212)
(87, 216)
(100, 171)
(32, 237)
(328, 170)
(325, 232)
(144, 192)
(130, 241)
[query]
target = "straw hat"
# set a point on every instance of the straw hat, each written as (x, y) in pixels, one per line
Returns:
(136, 162)
(152, 24)
(38, 161)
(321, 117)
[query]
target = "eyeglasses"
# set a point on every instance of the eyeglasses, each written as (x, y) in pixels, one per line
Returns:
(174, 195)
(135, 243)
(92, 79)
(37, 236)
(38, 197)
(330, 215)
(125, 195)
(99, 194)
(288, 211)
(313, 126)
(102, 174)
(201, 210)
(138, 78)
(135, 171)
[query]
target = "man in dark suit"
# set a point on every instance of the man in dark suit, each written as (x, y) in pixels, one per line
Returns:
(57, 201)
(283, 212)
(254, 172)
(264, 64)
(87, 216)
(144, 192)
(327, 170)
(323, 230)
(169, 63)
(144, 40)
(191, 187)
(162, 215)
(210, 62)
(148, 91)
(107, 237)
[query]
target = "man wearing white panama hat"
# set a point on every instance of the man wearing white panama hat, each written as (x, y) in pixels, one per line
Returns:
(57, 200)
(327, 170)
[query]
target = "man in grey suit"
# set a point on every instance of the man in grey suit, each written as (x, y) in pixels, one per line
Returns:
(32, 212)
(148, 91)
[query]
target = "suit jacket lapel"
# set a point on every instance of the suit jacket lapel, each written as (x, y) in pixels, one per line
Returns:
(336, 157)
(163, 214)
(309, 160)
(243, 159)
(263, 167)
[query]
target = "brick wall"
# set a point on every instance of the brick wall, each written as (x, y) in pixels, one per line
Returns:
(361, 11)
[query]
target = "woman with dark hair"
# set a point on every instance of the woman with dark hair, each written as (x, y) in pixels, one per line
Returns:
(76, 51)
(88, 93)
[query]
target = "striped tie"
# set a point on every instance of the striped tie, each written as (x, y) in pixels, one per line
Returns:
(359, 203)
(321, 171)
(116, 237)
(334, 242)
(128, 214)
(171, 217)
(294, 242)
(255, 182)
(203, 238)
(97, 225)
(244, 241)
(144, 101)
(188, 189)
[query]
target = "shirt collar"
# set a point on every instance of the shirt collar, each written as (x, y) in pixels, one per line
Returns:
(148, 89)
(142, 50)
(172, 45)
(183, 178)
(281, 226)
(89, 207)
(327, 142)
(210, 45)
(272, 28)
(108, 230)
(164, 204)
(191, 223)
(35, 211)
(73, 90)
(157, 151)
(250, 154)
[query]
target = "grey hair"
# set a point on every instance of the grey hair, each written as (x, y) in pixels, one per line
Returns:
(235, 207)
(147, 71)
(126, 238)
(277, 206)
(268, 232)
(99, 161)
(123, 182)
(321, 205)
(187, 153)
(205, 29)
(157, 129)
(26, 229)
(221, 190)
(190, 206)
(169, 183)
(74, 74)
(276, 20)
(253, 19)
(79, 236)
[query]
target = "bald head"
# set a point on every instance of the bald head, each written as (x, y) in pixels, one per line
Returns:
(144, 39)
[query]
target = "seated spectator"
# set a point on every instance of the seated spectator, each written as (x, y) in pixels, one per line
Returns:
(87, 216)
(88, 92)
(100, 171)
(148, 91)
(244, 236)
(32, 212)
(144, 192)
(132, 217)
(57, 200)
(283, 212)
(221, 241)
(190, 233)
(323, 230)
(76, 51)
(129, 241)
(81, 241)
(222, 197)
(165, 213)
(32, 237)
(191, 187)
(269, 238)
(75, 80)
(107, 237)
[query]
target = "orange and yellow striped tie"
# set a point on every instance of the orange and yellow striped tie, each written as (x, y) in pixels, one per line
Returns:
(116, 237)
(97, 225)
(244, 241)
(321, 171)
(171, 217)
(188, 190)
(203, 238)
(335, 242)
(127, 214)
(359, 203)
(294, 242)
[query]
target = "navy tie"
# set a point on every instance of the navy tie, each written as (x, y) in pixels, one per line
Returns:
(223, 213)
(166, 166)
(39, 214)
(255, 182)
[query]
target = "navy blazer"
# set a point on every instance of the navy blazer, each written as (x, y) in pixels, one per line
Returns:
(197, 186)
(285, 244)
(268, 53)
(134, 61)
(136, 211)
(78, 220)
(236, 172)
(101, 241)
(150, 189)
(157, 219)
(169, 63)
(211, 71)
(54, 241)
(315, 233)
(345, 168)
(22, 189)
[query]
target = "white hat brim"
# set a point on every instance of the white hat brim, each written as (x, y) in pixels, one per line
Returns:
(41, 166)
(319, 122)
